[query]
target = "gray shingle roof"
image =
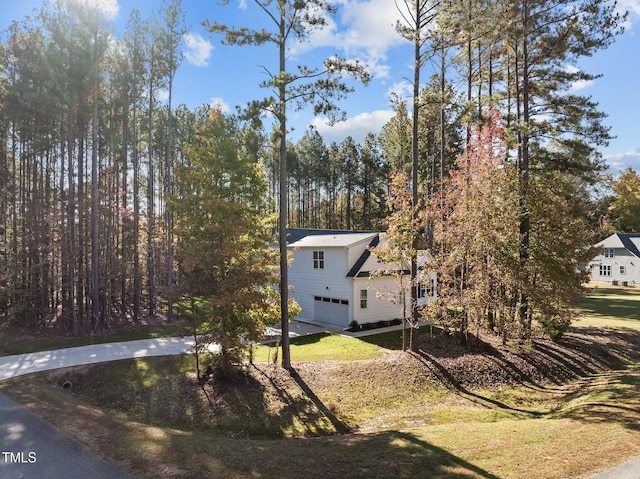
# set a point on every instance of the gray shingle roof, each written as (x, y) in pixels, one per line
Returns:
(296, 234)
(626, 239)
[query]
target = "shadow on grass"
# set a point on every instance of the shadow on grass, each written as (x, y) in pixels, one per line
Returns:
(604, 413)
(303, 412)
(306, 340)
(594, 366)
(385, 455)
(451, 383)
(392, 340)
(340, 426)
(610, 397)
(608, 303)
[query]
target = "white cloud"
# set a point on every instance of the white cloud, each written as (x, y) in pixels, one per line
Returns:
(403, 90)
(581, 84)
(633, 7)
(370, 31)
(370, 24)
(197, 50)
(578, 84)
(220, 104)
(162, 95)
(356, 127)
(619, 161)
(363, 30)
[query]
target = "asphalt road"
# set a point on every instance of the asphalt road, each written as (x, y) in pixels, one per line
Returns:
(31, 448)
(626, 470)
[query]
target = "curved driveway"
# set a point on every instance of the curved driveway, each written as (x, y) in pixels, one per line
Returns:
(18, 365)
(31, 447)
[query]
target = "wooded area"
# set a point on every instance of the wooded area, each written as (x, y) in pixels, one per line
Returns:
(89, 152)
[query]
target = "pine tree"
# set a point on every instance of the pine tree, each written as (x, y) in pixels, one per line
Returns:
(322, 87)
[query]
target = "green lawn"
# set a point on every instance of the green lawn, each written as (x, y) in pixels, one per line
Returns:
(326, 346)
(610, 307)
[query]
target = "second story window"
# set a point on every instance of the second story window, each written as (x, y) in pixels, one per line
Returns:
(318, 260)
(609, 253)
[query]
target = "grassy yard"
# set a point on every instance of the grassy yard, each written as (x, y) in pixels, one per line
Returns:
(610, 307)
(326, 346)
(405, 428)
(361, 408)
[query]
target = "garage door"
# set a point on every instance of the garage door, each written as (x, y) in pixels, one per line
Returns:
(331, 310)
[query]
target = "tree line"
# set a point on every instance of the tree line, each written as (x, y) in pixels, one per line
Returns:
(512, 221)
(90, 144)
(90, 149)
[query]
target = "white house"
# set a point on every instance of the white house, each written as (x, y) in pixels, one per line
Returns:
(331, 279)
(618, 260)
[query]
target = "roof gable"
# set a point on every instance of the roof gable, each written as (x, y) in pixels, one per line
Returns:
(368, 261)
(629, 241)
(355, 272)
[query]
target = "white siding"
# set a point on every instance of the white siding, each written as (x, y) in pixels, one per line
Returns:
(378, 308)
(624, 266)
(622, 257)
(328, 282)
(328, 295)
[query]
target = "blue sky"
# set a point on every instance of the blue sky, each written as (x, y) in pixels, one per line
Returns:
(363, 29)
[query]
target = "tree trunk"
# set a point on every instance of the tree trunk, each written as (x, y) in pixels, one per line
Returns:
(95, 251)
(284, 186)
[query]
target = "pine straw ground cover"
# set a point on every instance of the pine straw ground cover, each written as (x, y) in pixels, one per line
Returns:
(548, 411)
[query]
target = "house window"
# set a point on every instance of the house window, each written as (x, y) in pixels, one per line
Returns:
(363, 298)
(605, 270)
(318, 260)
(322, 299)
(425, 290)
(623, 269)
(609, 253)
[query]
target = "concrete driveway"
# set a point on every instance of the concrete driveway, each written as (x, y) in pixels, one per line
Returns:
(13, 366)
(31, 447)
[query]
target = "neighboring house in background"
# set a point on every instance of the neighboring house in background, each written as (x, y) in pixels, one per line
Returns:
(331, 278)
(618, 260)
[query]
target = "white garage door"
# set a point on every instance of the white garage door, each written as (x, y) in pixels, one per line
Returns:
(331, 310)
